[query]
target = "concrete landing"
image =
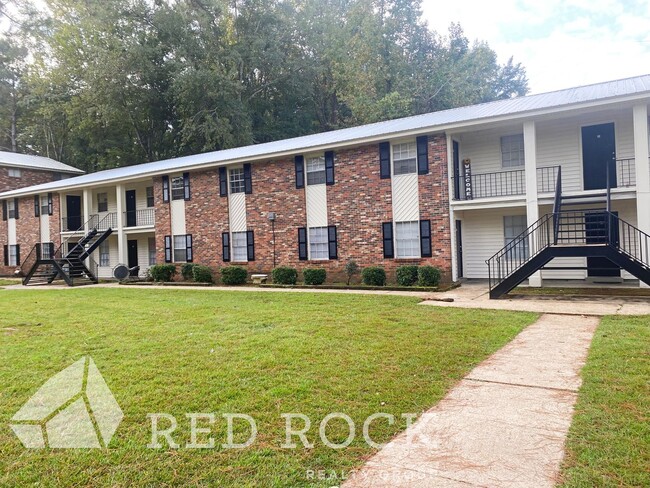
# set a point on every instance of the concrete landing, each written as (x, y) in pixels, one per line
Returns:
(504, 425)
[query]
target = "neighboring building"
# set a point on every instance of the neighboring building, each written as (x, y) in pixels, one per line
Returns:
(450, 189)
(21, 170)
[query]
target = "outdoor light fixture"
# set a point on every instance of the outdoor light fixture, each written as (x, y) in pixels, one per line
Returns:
(271, 216)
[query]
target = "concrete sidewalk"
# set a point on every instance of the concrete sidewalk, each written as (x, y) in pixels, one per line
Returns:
(504, 425)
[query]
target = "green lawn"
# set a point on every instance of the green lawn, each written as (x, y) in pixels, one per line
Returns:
(609, 440)
(262, 354)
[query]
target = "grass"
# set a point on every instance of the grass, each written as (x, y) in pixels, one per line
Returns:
(8, 281)
(609, 440)
(262, 354)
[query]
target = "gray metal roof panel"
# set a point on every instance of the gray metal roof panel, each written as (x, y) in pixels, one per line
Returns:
(35, 162)
(430, 121)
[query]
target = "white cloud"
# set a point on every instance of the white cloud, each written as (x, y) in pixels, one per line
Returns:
(562, 43)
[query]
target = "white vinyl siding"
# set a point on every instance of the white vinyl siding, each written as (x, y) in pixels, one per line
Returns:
(180, 249)
(316, 171)
(404, 158)
(151, 251)
(318, 244)
(239, 247)
(407, 239)
(512, 151)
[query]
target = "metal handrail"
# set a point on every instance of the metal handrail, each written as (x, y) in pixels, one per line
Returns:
(507, 183)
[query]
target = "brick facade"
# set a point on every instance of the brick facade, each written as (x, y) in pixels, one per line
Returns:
(29, 177)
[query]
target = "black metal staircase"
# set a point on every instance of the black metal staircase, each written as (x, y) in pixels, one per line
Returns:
(583, 232)
(75, 266)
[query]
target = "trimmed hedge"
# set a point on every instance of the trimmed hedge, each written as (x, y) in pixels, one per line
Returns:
(186, 271)
(233, 275)
(314, 276)
(374, 276)
(202, 274)
(407, 275)
(429, 276)
(285, 275)
(162, 272)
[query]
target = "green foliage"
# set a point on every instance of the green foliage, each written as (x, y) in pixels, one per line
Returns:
(233, 275)
(429, 276)
(202, 274)
(285, 275)
(163, 272)
(186, 271)
(351, 269)
(374, 276)
(314, 276)
(407, 275)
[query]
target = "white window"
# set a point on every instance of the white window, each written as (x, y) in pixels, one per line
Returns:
(11, 209)
(239, 246)
(316, 171)
(104, 254)
(180, 249)
(45, 206)
(407, 239)
(237, 180)
(13, 255)
(405, 158)
(15, 172)
(152, 251)
(513, 226)
(512, 151)
(318, 248)
(178, 188)
(102, 202)
(150, 201)
(46, 247)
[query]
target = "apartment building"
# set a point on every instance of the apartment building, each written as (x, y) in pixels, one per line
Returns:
(531, 185)
(21, 170)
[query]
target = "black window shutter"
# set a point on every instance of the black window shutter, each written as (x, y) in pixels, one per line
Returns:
(332, 242)
(4, 209)
(168, 249)
(384, 160)
(165, 183)
(423, 154)
(329, 167)
(300, 171)
(189, 252)
(387, 229)
(225, 246)
(223, 182)
(50, 207)
(250, 245)
(17, 255)
(425, 238)
(6, 255)
(186, 186)
(37, 206)
(16, 202)
(302, 243)
(248, 180)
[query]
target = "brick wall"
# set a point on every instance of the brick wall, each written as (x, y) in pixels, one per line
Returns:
(29, 177)
(163, 223)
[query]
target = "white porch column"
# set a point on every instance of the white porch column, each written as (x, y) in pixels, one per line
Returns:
(642, 163)
(121, 244)
(86, 209)
(452, 217)
(532, 205)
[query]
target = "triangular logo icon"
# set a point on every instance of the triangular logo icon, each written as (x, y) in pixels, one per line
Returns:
(73, 409)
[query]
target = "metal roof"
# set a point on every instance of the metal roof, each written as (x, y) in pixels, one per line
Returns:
(18, 160)
(430, 122)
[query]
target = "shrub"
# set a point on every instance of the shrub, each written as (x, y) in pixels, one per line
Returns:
(374, 276)
(314, 276)
(186, 271)
(351, 269)
(429, 276)
(233, 275)
(407, 275)
(284, 275)
(162, 272)
(202, 274)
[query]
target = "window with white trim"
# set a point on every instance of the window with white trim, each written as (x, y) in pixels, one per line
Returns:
(316, 170)
(405, 158)
(102, 202)
(45, 205)
(318, 244)
(152, 251)
(237, 180)
(239, 247)
(13, 255)
(513, 226)
(11, 209)
(180, 248)
(407, 239)
(104, 254)
(150, 200)
(512, 151)
(15, 173)
(178, 188)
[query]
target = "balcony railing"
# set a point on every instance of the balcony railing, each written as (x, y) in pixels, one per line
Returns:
(104, 221)
(503, 183)
(139, 218)
(72, 223)
(625, 173)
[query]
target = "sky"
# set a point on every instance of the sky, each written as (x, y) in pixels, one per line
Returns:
(561, 43)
